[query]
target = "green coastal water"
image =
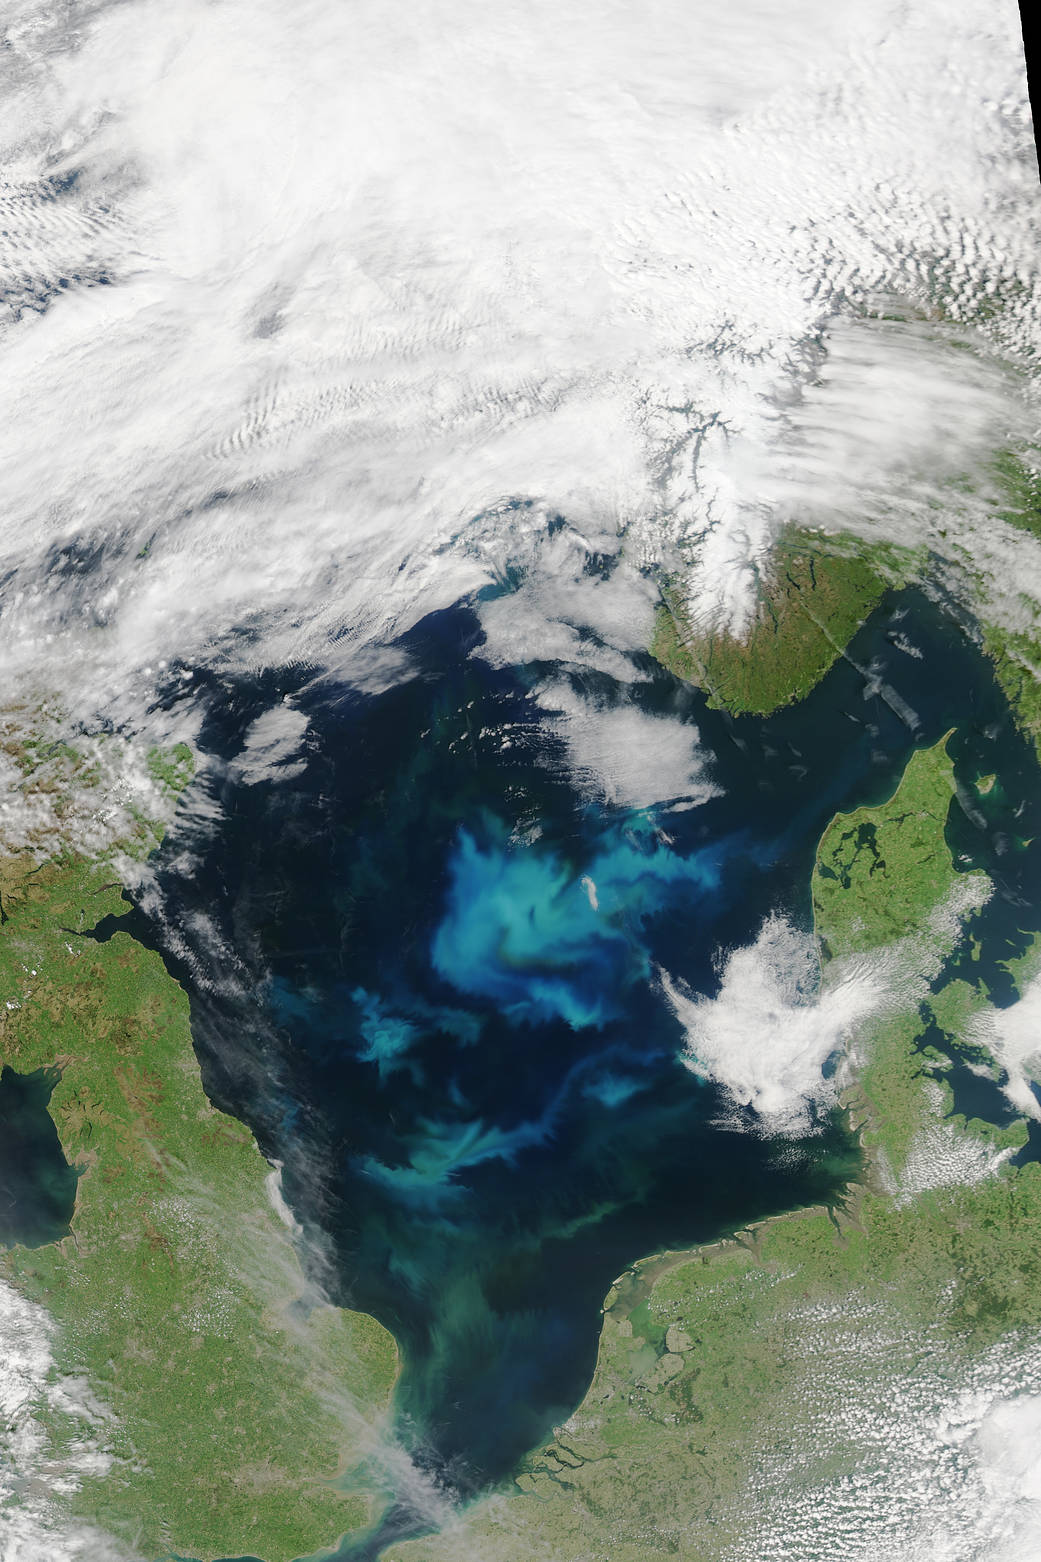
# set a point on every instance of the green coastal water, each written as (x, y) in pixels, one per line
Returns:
(455, 1040)
(818, 1374)
(474, 1085)
(199, 1397)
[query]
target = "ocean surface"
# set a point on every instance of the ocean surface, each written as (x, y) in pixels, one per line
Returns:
(422, 966)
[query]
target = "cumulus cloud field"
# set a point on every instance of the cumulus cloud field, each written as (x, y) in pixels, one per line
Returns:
(945, 1465)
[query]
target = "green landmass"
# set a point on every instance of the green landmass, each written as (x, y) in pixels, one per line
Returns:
(1019, 485)
(760, 1397)
(234, 1401)
(880, 871)
(172, 767)
(1016, 655)
(1016, 651)
(813, 594)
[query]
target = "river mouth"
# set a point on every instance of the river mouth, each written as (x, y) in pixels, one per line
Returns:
(399, 980)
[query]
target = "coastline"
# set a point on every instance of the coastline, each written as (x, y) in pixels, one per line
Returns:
(737, 1384)
(178, 1295)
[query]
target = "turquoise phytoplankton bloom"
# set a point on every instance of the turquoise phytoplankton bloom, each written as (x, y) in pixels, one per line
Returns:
(545, 942)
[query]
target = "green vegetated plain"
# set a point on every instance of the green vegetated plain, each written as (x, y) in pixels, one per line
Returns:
(761, 1381)
(1019, 483)
(814, 592)
(1016, 652)
(232, 1401)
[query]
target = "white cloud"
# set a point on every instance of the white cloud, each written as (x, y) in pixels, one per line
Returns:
(44, 810)
(578, 601)
(769, 1031)
(1013, 1037)
(625, 755)
(272, 745)
(33, 1519)
(559, 605)
(937, 1459)
(942, 1155)
(1007, 1445)
(354, 279)
(371, 275)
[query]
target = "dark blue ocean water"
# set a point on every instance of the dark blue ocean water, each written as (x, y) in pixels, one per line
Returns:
(470, 1075)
